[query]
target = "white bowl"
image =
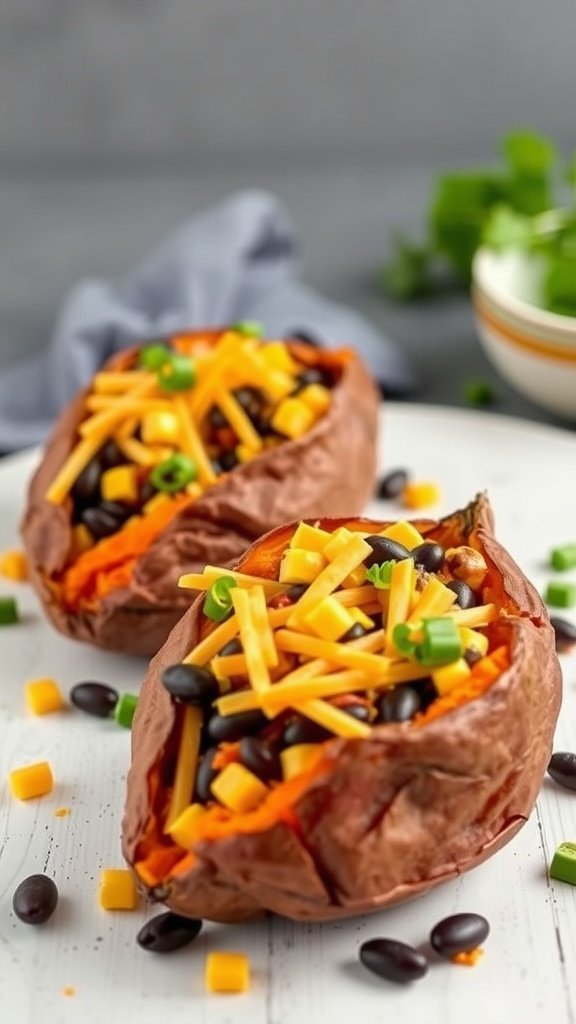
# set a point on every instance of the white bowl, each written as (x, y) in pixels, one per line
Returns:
(533, 349)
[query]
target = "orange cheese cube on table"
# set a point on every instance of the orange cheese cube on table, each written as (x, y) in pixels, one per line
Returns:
(117, 890)
(31, 781)
(14, 566)
(227, 972)
(43, 696)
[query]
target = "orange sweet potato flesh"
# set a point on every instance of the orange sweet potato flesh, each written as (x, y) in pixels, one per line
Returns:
(304, 477)
(382, 819)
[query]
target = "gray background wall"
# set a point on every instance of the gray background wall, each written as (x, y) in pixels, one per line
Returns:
(120, 117)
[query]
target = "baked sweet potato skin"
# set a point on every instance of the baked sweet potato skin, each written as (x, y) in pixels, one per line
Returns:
(329, 470)
(398, 813)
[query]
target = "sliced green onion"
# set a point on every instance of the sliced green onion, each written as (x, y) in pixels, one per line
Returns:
(405, 638)
(380, 575)
(251, 328)
(562, 558)
(177, 373)
(174, 474)
(8, 611)
(218, 600)
(153, 356)
(441, 644)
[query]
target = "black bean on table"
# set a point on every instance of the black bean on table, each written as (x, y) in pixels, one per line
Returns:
(465, 596)
(205, 776)
(229, 728)
(392, 484)
(191, 684)
(564, 633)
(429, 555)
(94, 698)
(399, 704)
(384, 549)
(260, 758)
(302, 730)
(168, 932)
(35, 899)
(393, 960)
(562, 768)
(459, 933)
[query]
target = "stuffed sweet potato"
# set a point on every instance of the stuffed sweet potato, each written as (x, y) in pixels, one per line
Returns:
(183, 453)
(362, 711)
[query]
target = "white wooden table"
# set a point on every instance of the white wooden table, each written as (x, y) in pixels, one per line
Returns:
(302, 973)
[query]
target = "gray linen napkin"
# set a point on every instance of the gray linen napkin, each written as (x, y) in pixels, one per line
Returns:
(235, 261)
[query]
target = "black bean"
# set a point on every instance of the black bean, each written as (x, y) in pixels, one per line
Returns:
(216, 466)
(259, 757)
(358, 711)
(465, 596)
(429, 555)
(459, 933)
(229, 728)
(228, 461)
(296, 590)
(205, 776)
(313, 375)
(393, 960)
(216, 418)
(119, 509)
(86, 490)
(354, 633)
(111, 456)
(562, 768)
(146, 491)
(100, 522)
(399, 704)
(302, 730)
(392, 485)
(94, 698)
(35, 899)
(168, 932)
(301, 335)
(385, 550)
(565, 634)
(232, 647)
(191, 684)
(251, 401)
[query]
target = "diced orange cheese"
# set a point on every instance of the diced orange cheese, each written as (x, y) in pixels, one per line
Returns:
(160, 427)
(448, 677)
(182, 830)
(405, 533)
(227, 972)
(300, 566)
(420, 494)
(299, 758)
(31, 781)
(276, 355)
(328, 619)
(238, 789)
(292, 418)
(316, 397)
(331, 577)
(120, 484)
(310, 538)
(338, 543)
(117, 890)
(43, 696)
(14, 566)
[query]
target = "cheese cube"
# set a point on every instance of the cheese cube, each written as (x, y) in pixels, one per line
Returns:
(338, 542)
(14, 566)
(329, 619)
(405, 533)
(238, 789)
(299, 566)
(299, 758)
(448, 677)
(32, 781)
(117, 890)
(316, 397)
(120, 484)
(292, 418)
(276, 355)
(227, 972)
(311, 538)
(43, 696)
(183, 829)
(160, 427)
